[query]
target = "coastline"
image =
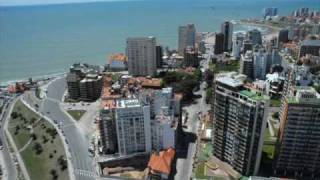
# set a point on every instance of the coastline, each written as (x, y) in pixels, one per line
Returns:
(35, 78)
(270, 33)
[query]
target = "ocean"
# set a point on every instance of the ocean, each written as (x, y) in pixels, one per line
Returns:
(47, 39)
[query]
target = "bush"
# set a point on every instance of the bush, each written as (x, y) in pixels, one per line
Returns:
(33, 136)
(38, 148)
(14, 115)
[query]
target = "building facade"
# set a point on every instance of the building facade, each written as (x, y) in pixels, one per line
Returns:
(309, 47)
(246, 64)
(283, 36)
(239, 118)
(227, 30)
(187, 37)
(254, 36)
(141, 53)
(218, 48)
(108, 133)
(90, 87)
(159, 54)
(297, 152)
(190, 57)
(133, 126)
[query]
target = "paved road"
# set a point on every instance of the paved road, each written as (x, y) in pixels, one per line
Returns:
(184, 165)
(77, 143)
(9, 166)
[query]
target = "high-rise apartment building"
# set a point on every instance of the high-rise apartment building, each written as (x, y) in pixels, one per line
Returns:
(262, 63)
(90, 87)
(84, 82)
(309, 47)
(283, 36)
(227, 30)
(187, 37)
(246, 64)
(108, 131)
(254, 36)
(297, 152)
(133, 126)
(141, 54)
(270, 12)
(238, 39)
(239, 118)
(159, 54)
(247, 45)
(190, 57)
(218, 47)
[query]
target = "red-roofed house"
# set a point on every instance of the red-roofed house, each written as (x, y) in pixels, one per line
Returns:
(160, 164)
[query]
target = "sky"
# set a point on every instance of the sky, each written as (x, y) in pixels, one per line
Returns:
(34, 2)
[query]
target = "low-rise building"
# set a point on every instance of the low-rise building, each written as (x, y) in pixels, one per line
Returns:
(160, 165)
(118, 62)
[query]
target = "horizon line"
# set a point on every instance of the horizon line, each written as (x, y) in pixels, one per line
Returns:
(64, 3)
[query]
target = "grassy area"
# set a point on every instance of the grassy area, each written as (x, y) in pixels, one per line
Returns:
(200, 171)
(76, 114)
(44, 157)
(267, 134)
(275, 102)
(205, 152)
(19, 124)
(269, 149)
(220, 67)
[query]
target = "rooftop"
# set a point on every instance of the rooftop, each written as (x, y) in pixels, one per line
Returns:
(232, 79)
(305, 95)
(162, 162)
(127, 103)
(310, 43)
(252, 95)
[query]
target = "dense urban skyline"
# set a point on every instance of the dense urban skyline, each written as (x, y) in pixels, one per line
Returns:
(224, 103)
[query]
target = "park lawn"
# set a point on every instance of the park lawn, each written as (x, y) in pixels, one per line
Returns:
(221, 67)
(269, 149)
(205, 152)
(200, 171)
(275, 102)
(38, 165)
(76, 114)
(23, 120)
(267, 134)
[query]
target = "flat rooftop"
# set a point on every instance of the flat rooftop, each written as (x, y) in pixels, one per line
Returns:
(127, 103)
(229, 81)
(310, 43)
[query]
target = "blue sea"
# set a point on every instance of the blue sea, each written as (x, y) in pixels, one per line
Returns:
(47, 39)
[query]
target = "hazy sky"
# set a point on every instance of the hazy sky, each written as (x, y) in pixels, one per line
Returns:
(32, 2)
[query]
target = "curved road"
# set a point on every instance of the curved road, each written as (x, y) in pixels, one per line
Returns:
(83, 164)
(10, 168)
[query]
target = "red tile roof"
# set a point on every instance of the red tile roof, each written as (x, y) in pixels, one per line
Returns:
(162, 162)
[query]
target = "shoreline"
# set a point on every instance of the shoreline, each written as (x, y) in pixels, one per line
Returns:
(269, 33)
(35, 78)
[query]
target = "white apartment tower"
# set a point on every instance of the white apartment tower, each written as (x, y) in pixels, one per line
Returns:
(141, 52)
(239, 118)
(133, 126)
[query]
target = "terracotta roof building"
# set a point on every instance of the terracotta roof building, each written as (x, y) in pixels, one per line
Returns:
(160, 164)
